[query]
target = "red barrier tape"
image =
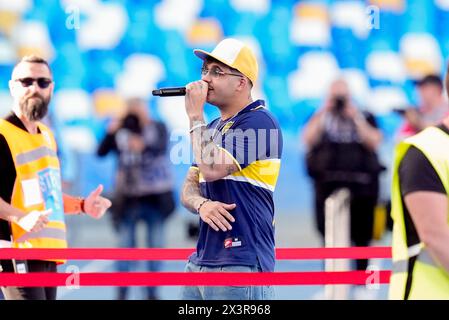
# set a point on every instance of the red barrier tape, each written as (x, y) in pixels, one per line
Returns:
(188, 279)
(183, 254)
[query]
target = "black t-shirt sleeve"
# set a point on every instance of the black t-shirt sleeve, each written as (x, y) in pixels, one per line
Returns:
(416, 173)
(7, 171)
(107, 144)
(7, 178)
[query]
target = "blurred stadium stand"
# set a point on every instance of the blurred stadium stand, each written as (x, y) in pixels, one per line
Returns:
(104, 51)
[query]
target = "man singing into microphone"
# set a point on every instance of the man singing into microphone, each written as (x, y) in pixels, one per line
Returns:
(231, 184)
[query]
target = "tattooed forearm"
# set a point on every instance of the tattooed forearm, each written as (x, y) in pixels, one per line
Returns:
(212, 161)
(204, 149)
(191, 194)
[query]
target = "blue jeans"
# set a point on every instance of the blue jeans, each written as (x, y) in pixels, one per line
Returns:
(228, 292)
(140, 211)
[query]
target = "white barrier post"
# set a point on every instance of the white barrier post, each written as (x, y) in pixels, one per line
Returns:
(337, 234)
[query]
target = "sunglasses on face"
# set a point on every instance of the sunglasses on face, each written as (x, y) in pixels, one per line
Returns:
(216, 72)
(41, 82)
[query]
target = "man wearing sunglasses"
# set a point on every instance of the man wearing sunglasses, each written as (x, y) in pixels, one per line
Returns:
(31, 180)
(231, 183)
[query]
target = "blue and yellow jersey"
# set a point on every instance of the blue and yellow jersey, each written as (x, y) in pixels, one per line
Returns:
(254, 140)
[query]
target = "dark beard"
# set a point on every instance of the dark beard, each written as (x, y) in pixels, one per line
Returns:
(36, 109)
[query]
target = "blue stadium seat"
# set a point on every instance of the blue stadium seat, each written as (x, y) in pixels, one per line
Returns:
(69, 67)
(142, 34)
(103, 68)
(219, 9)
(348, 49)
(389, 123)
(5, 75)
(242, 24)
(279, 101)
(58, 20)
(175, 54)
(442, 27)
(303, 111)
(274, 39)
(419, 16)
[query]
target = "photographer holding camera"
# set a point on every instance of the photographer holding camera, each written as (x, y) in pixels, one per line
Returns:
(144, 185)
(432, 107)
(341, 144)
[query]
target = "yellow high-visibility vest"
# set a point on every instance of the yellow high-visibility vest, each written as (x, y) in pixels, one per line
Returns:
(416, 275)
(37, 185)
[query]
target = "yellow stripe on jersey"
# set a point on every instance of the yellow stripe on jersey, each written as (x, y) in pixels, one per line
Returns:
(261, 173)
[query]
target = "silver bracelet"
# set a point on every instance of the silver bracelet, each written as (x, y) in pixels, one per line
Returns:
(201, 204)
(199, 125)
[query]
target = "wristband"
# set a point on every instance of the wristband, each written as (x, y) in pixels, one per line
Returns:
(201, 204)
(199, 125)
(82, 202)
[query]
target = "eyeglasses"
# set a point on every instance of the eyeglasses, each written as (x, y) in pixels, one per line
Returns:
(216, 73)
(41, 82)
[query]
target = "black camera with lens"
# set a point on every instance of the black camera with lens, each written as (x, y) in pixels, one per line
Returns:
(339, 104)
(131, 122)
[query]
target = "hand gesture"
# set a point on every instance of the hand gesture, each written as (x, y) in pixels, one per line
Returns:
(96, 205)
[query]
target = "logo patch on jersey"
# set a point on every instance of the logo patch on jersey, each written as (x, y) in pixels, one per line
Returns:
(232, 243)
(226, 127)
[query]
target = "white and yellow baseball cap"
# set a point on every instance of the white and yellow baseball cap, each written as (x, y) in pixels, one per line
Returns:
(234, 54)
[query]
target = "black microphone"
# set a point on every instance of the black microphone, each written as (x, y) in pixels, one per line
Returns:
(170, 92)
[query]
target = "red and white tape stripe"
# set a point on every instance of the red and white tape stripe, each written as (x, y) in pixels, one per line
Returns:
(186, 279)
(183, 254)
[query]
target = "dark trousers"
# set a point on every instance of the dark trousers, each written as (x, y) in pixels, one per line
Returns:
(140, 210)
(361, 216)
(30, 293)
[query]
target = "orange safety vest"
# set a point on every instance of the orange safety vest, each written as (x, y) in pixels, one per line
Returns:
(37, 185)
